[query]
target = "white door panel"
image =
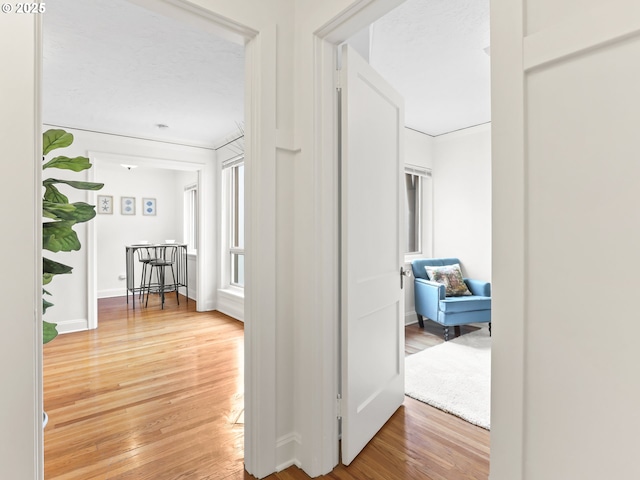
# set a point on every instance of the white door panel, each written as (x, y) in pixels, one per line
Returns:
(372, 301)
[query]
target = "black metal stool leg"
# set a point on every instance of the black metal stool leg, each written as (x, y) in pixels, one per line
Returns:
(142, 280)
(175, 284)
(149, 284)
(162, 270)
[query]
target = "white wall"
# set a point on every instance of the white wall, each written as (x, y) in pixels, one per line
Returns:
(462, 199)
(419, 150)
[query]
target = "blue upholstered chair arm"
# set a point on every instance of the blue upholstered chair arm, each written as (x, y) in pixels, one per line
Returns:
(478, 287)
(427, 296)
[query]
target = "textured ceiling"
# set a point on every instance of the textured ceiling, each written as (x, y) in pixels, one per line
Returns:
(432, 52)
(112, 66)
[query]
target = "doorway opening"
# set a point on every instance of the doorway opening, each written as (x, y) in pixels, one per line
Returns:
(342, 30)
(166, 164)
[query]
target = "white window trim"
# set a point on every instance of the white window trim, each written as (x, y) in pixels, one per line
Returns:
(426, 213)
(226, 248)
(191, 216)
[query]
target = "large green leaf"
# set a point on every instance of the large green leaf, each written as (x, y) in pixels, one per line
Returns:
(57, 211)
(75, 184)
(52, 139)
(76, 212)
(46, 304)
(84, 212)
(49, 331)
(59, 236)
(76, 164)
(52, 194)
(55, 268)
(50, 269)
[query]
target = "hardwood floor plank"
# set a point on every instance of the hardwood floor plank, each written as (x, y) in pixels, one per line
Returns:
(418, 339)
(150, 394)
(158, 394)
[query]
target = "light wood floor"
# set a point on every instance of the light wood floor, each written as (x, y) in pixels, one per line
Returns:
(417, 339)
(158, 394)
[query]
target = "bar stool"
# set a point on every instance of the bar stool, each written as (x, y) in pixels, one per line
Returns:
(145, 256)
(165, 257)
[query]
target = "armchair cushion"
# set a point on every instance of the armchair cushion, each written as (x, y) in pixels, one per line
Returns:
(465, 304)
(451, 277)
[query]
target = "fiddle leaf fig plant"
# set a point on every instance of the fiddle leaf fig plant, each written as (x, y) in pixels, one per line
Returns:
(60, 216)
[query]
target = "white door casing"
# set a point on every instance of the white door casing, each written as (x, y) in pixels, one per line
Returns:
(372, 116)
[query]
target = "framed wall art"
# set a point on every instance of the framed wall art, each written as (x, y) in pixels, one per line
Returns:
(127, 205)
(104, 204)
(148, 206)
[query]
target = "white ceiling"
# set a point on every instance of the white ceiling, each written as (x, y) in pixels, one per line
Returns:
(112, 66)
(432, 52)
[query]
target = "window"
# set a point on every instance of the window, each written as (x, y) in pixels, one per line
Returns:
(191, 218)
(413, 200)
(417, 217)
(236, 225)
(232, 234)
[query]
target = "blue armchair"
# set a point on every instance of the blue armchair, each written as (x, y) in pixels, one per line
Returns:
(432, 303)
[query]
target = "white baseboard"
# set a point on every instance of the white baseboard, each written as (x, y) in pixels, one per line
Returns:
(286, 448)
(410, 318)
(231, 303)
(207, 306)
(122, 292)
(112, 292)
(70, 326)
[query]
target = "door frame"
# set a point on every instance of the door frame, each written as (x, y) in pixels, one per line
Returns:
(508, 232)
(260, 249)
(326, 303)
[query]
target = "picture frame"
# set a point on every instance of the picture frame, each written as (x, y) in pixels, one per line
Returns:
(127, 205)
(104, 204)
(148, 206)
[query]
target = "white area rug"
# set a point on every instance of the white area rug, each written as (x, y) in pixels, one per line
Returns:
(454, 376)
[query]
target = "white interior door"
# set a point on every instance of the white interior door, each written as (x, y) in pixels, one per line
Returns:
(372, 301)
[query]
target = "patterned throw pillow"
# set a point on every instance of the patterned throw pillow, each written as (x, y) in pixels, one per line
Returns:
(451, 277)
